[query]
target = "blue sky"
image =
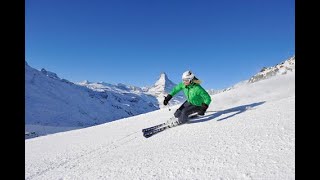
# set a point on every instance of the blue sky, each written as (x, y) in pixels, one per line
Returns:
(133, 41)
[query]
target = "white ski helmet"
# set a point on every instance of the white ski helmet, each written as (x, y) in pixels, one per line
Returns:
(188, 75)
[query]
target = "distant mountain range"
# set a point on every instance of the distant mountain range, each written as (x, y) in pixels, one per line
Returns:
(53, 104)
(160, 89)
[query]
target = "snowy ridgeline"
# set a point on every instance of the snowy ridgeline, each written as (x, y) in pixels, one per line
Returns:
(247, 133)
(280, 69)
(287, 66)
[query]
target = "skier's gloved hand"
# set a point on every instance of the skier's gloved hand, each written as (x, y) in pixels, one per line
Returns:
(167, 99)
(204, 108)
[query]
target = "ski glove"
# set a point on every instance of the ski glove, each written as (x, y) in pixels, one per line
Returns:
(167, 99)
(204, 108)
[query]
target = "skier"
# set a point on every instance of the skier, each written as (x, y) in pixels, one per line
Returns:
(198, 99)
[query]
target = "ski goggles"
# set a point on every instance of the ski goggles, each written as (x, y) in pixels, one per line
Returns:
(186, 80)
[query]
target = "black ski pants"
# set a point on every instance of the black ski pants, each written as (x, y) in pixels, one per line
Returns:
(185, 110)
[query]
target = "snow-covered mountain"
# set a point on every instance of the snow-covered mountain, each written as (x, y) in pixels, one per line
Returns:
(286, 66)
(103, 86)
(161, 88)
(247, 133)
(279, 69)
(54, 105)
(128, 95)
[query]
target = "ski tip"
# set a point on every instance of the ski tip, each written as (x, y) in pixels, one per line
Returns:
(146, 136)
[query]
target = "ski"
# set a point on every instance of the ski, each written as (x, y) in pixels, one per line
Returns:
(153, 127)
(150, 133)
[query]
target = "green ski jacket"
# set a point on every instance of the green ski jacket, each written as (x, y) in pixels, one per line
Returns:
(195, 94)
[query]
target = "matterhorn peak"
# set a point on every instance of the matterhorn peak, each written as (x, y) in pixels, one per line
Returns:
(163, 80)
(163, 75)
(162, 87)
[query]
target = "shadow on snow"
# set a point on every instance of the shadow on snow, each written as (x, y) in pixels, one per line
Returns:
(234, 110)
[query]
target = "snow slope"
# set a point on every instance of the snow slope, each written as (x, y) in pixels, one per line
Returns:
(247, 133)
